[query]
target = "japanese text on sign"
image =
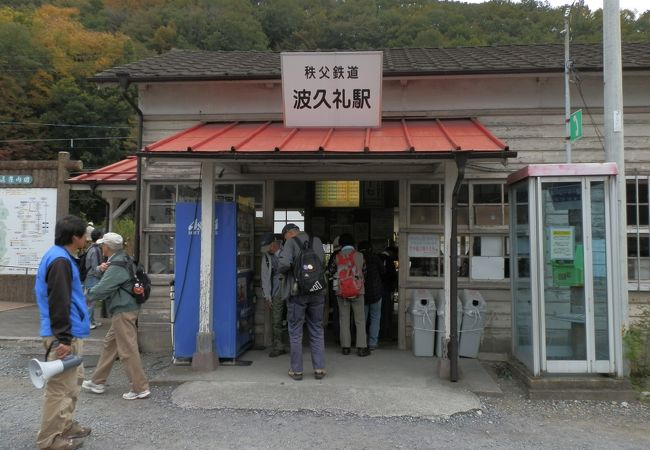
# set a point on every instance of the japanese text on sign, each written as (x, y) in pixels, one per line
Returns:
(16, 179)
(332, 89)
(423, 246)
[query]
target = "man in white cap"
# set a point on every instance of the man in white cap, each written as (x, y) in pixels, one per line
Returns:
(116, 286)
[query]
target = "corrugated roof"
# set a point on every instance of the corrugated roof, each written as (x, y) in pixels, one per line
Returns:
(249, 139)
(121, 172)
(188, 65)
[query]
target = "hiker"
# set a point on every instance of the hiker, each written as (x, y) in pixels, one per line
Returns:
(116, 287)
(92, 261)
(304, 304)
(274, 296)
(350, 272)
(373, 288)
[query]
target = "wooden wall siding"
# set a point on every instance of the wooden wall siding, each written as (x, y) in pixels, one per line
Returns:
(17, 288)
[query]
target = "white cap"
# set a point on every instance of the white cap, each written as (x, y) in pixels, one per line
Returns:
(111, 239)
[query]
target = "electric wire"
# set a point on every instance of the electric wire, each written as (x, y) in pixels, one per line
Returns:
(63, 125)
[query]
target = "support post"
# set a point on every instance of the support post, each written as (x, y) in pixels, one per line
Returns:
(461, 159)
(614, 152)
(205, 357)
(567, 86)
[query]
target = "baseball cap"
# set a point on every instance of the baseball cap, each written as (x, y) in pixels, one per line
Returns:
(267, 240)
(113, 239)
(288, 227)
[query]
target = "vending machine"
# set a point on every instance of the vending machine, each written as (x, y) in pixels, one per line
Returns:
(233, 304)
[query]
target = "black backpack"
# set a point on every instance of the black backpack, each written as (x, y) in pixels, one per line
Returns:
(308, 269)
(83, 262)
(141, 289)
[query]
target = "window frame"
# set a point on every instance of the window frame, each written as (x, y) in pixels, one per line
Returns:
(637, 231)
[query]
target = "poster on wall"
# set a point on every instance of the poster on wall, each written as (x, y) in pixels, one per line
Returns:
(562, 242)
(423, 246)
(27, 219)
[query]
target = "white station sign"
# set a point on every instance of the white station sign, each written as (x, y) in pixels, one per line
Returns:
(341, 89)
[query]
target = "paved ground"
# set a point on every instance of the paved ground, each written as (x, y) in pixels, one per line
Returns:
(229, 412)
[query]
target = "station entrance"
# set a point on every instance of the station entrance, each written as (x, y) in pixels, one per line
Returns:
(366, 210)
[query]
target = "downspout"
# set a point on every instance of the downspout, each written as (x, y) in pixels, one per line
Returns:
(123, 78)
(460, 159)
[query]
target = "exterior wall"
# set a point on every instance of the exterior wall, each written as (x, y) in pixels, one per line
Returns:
(525, 111)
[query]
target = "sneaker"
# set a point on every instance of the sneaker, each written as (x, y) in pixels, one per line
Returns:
(92, 387)
(345, 350)
(61, 443)
(136, 395)
(93, 326)
(76, 431)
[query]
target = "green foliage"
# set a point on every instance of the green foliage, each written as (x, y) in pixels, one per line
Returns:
(637, 346)
(125, 227)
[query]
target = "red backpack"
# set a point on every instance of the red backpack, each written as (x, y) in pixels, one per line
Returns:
(350, 280)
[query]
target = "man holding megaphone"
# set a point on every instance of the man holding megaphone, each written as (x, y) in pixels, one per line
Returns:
(64, 323)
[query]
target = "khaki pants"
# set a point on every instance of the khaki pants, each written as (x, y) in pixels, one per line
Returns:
(122, 340)
(357, 307)
(61, 393)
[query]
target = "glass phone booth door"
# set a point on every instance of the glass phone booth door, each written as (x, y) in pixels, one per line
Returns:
(574, 299)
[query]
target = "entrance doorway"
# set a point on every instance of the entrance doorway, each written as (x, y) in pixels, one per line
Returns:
(366, 210)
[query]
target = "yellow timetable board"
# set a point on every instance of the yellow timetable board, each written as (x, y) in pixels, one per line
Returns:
(337, 194)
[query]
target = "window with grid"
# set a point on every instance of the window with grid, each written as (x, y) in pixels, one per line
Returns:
(281, 217)
(163, 199)
(228, 192)
(638, 232)
(483, 217)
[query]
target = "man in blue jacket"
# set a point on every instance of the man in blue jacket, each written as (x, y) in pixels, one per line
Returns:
(64, 323)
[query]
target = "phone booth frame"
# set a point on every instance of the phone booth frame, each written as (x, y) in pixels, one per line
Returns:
(564, 278)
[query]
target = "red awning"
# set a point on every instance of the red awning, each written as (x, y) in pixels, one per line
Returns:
(434, 137)
(121, 172)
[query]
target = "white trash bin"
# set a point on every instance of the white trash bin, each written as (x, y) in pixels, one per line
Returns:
(474, 310)
(423, 318)
(441, 326)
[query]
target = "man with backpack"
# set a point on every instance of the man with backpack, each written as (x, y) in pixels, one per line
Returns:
(301, 260)
(116, 286)
(350, 272)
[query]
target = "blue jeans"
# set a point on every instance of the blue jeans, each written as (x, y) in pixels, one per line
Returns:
(373, 317)
(301, 308)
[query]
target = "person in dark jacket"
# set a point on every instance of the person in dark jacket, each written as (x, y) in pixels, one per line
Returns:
(64, 323)
(389, 260)
(374, 288)
(121, 340)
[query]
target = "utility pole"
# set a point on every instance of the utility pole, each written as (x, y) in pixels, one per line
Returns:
(614, 152)
(567, 87)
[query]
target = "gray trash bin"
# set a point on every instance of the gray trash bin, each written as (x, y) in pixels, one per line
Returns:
(423, 317)
(474, 310)
(441, 326)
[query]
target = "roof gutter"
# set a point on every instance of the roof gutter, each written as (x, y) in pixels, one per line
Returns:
(124, 79)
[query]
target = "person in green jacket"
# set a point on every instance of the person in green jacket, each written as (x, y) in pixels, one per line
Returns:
(122, 338)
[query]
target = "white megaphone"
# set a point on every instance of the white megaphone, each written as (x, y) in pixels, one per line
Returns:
(40, 372)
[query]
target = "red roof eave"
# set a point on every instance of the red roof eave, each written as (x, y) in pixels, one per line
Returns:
(121, 172)
(394, 137)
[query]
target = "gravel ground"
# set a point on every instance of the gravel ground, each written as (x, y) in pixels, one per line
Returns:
(510, 422)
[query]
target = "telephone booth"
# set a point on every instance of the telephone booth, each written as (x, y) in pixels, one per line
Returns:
(565, 314)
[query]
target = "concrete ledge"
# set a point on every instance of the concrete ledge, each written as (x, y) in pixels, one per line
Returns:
(573, 387)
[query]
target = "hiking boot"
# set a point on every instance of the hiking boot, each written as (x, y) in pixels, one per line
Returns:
(76, 431)
(277, 352)
(363, 351)
(136, 395)
(92, 387)
(345, 350)
(297, 376)
(61, 443)
(319, 374)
